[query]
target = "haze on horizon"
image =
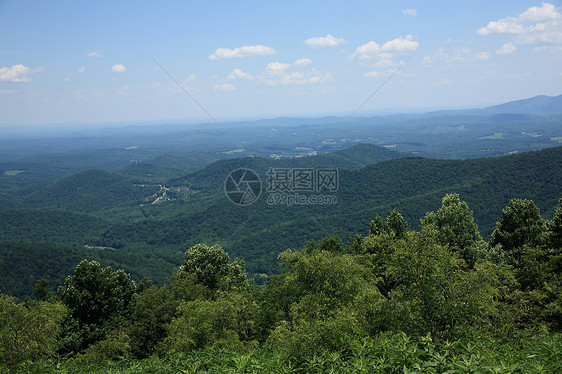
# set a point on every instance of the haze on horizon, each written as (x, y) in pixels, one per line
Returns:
(70, 62)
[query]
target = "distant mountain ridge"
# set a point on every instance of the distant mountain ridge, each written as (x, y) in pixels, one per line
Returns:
(537, 105)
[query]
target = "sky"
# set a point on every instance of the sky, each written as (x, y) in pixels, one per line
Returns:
(81, 62)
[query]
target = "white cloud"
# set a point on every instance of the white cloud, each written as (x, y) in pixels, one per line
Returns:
(550, 37)
(503, 26)
(17, 73)
(191, 78)
(535, 25)
(237, 73)
(367, 51)
(410, 12)
(244, 51)
(119, 68)
(225, 87)
(324, 41)
(373, 50)
(302, 62)
(506, 49)
(6, 92)
(277, 68)
(372, 74)
(67, 79)
(543, 13)
(82, 69)
(400, 44)
(427, 60)
(97, 54)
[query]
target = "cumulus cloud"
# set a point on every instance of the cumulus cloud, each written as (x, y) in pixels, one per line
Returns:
(302, 62)
(244, 51)
(506, 49)
(237, 73)
(17, 73)
(410, 12)
(119, 68)
(225, 87)
(367, 51)
(277, 68)
(191, 78)
(82, 69)
(324, 41)
(97, 54)
(535, 14)
(400, 44)
(535, 25)
(372, 49)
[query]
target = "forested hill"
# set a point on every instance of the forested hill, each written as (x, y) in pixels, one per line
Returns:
(355, 157)
(151, 239)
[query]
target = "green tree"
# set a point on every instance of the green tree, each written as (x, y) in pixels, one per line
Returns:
(554, 235)
(153, 311)
(455, 225)
(28, 332)
(210, 266)
(320, 304)
(226, 322)
(98, 299)
(396, 224)
(376, 227)
(521, 224)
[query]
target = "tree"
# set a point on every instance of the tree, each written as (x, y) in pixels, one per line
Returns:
(396, 224)
(28, 332)
(554, 235)
(456, 227)
(521, 224)
(99, 299)
(211, 267)
(376, 227)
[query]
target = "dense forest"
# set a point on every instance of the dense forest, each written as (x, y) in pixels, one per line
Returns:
(435, 300)
(98, 213)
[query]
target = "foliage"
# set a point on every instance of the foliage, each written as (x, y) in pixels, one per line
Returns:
(211, 267)
(226, 322)
(521, 224)
(98, 299)
(28, 332)
(438, 300)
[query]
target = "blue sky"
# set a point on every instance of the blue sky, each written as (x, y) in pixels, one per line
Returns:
(82, 62)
